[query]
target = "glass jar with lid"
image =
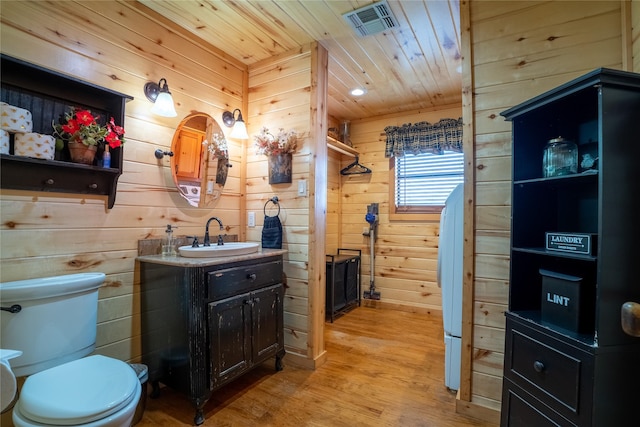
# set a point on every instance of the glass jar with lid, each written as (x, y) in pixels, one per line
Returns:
(560, 158)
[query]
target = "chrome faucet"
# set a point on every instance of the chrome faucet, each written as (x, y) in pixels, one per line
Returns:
(207, 240)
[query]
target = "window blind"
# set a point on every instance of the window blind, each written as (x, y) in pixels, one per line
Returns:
(427, 179)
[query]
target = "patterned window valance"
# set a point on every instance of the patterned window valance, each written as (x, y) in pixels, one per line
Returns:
(424, 137)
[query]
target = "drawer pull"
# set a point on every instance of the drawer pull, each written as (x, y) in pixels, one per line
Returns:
(251, 276)
(538, 366)
(630, 318)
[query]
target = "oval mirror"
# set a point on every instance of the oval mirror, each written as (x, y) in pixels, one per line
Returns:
(200, 160)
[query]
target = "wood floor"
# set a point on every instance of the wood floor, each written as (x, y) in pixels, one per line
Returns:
(384, 368)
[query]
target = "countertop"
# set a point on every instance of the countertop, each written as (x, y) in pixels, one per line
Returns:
(180, 261)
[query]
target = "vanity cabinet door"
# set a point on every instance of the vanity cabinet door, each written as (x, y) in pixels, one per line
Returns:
(268, 310)
(230, 332)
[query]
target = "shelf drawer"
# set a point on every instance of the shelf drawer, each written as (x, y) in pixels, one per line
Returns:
(522, 409)
(231, 281)
(552, 371)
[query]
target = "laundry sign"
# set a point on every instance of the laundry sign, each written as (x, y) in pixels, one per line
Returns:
(578, 243)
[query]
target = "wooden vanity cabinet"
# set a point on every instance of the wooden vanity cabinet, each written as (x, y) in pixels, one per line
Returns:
(567, 360)
(243, 332)
(202, 327)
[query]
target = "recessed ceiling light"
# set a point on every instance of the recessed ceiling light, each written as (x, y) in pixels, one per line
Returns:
(358, 91)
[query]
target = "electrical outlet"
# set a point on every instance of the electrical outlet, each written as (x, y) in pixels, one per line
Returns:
(251, 219)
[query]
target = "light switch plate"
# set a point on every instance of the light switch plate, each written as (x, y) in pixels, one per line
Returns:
(251, 219)
(302, 187)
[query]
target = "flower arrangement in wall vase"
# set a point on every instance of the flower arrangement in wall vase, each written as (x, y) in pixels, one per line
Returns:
(219, 150)
(279, 150)
(84, 135)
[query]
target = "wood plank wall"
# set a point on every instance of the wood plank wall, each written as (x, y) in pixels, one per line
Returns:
(118, 45)
(279, 97)
(405, 251)
(520, 49)
(333, 201)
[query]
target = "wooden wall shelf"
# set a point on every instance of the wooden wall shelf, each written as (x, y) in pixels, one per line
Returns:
(49, 94)
(341, 147)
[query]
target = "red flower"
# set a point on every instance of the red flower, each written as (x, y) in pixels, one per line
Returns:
(115, 132)
(71, 127)
(115, 128)
(113, 140)
(84, 117)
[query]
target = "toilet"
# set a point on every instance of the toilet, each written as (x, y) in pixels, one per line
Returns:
(52, 321)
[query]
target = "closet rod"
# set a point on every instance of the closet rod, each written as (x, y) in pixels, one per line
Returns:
(340, 150)
(340, 147)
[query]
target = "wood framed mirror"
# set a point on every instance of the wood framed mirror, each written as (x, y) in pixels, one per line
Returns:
(200, 162)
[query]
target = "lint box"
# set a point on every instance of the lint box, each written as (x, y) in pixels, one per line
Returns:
(561, 299)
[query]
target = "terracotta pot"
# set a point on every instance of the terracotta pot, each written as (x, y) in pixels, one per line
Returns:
(81, 153)
(280, 168)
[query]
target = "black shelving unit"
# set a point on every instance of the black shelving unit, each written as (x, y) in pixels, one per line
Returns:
(48, 94)
(578, 368)
(343, 282)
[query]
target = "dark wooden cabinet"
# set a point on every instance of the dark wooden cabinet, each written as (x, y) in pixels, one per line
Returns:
(48, 95)
(203, 326)
(577, 367)
(245, 330)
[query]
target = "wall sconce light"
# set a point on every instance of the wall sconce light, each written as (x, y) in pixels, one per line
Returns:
(159, 94)
(239, 127)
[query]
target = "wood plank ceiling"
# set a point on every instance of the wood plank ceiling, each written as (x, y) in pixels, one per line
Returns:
(415, 65)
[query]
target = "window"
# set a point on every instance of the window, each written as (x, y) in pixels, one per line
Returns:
(424, 181)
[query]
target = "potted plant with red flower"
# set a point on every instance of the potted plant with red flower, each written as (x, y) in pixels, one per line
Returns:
(83, 134)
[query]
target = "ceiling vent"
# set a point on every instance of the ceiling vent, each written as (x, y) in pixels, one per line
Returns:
(371, 19)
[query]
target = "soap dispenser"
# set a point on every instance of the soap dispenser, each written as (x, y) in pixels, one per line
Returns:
(168, 244)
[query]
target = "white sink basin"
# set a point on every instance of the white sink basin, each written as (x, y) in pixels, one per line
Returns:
(214, 251)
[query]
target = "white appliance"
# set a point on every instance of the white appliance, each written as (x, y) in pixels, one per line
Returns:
(450, 280)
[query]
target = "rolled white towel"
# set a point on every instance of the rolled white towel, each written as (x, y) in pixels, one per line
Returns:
(34, 145)
(15, 119)
(4, 141)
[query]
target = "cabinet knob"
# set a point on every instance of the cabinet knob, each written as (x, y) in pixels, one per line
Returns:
(251, 276)
(93, 186)
(248, 302)
(50, 181)
(538, 366)
(630, 318)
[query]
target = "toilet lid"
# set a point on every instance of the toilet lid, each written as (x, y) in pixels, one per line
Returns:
(78, 392)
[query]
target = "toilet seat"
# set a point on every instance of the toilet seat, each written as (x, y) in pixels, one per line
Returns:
(79, 392)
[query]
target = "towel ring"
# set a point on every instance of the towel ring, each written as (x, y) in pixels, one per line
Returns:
(273, 200)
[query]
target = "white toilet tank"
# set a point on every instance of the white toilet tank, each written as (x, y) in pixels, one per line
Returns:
(57, 321)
